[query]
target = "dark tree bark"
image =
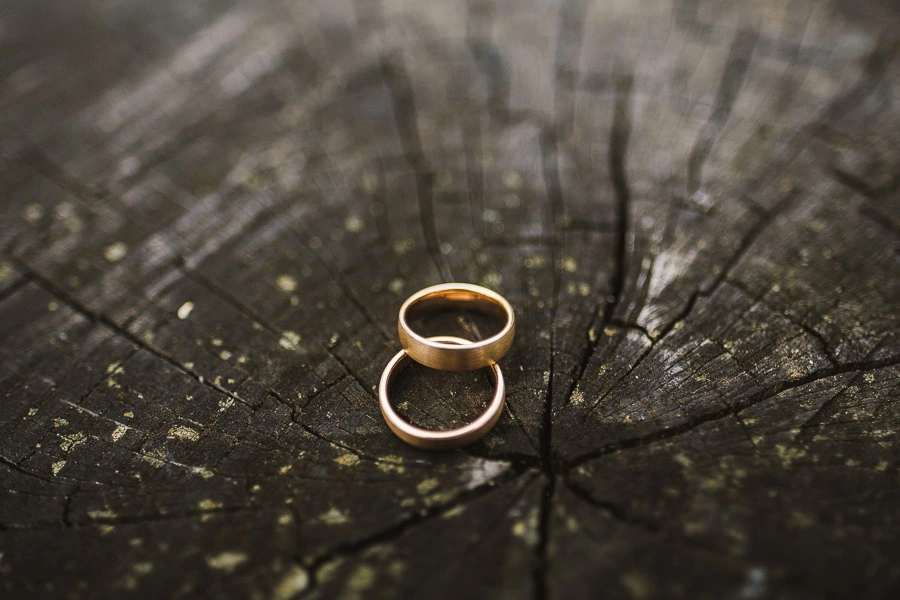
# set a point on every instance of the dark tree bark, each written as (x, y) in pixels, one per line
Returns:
(211, 212)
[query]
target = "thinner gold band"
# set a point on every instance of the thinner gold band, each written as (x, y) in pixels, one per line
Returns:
(439, 440)
(447, 356)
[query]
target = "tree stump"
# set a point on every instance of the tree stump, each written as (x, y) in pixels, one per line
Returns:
(213, 210)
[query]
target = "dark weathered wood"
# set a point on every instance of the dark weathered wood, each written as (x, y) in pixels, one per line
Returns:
(211, 212)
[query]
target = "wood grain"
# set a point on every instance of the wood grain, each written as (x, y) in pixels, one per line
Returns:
(212, 211)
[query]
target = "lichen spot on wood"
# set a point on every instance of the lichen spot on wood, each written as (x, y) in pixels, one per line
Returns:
(454, 512)
(492, 280)
(119, 432)
(368, 183)
(183, 432)
(104, 514)
(114, 368)
(7, 272)
(347, 460)
(577, 398)
(328, 570)
(403, 246)
(289, 340)
(154, 458)
(801, 519)
(333, 517)
(512, 180)
(33, 213)
(788, 454)
(638, 585)
(361, 579)
(527, 529)
(294, 581)
(683, 460)
(115, 252)
(427, 485)
(286, 283)
(353, 224)
(227, 561)
(70, 442)
(184, 311)
(396, 286)
(391, 464)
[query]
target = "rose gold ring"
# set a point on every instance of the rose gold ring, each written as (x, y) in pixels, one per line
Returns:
(439, 440)
(447, 356)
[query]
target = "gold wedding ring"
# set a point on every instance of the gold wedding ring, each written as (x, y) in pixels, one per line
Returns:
(448, 353)
(439, 440)
(438, 353)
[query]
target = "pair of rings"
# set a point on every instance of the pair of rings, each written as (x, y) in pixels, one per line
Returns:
(448, 353)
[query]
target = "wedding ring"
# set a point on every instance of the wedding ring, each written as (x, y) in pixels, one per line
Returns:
(437, 353)
(439, 440)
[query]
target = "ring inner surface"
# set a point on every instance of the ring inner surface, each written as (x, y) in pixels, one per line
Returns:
(439, 400)
(462, 313)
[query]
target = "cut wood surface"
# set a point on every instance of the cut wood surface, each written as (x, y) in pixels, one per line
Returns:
(212, 211)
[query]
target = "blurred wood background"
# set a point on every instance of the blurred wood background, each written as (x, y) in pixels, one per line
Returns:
(211, 212)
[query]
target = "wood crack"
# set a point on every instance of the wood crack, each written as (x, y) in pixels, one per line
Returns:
(398, 84)
(826, 347)
(65, 297)
(570, 31)
(15, 467)
(14, 287)
(764, 394)
(314, 565)
(618, 144)
(613, 510)
(733, 74)
(723, 275)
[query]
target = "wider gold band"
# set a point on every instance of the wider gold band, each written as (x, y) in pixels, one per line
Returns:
(439, 440)
(449, 356)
